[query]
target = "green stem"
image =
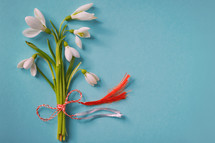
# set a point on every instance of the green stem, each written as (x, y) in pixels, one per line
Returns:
(70, 68)
(58, 80)
(50, 49)
(55, 37)
(72, 74)
(53, 76)
(60, 84)
(49, 82)
(66, 30)
(63, 30)
(61, 26)
(55, 29)
(63, 100)
(46, 56)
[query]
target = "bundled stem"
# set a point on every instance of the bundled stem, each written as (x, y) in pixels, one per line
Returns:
(61, 79)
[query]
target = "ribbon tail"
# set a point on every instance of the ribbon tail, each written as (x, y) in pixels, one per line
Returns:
(115, 113)
(116, 94)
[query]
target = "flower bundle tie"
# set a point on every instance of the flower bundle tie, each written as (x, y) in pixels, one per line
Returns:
(116, 94)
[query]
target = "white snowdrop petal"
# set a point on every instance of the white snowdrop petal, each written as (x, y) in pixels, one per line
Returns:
(30, 33)
(96, 77)
(39, 16)
(86, 34)
(34, 23)
(84, 7)
(84, 16)
(33, 69)
(68, 53)
(28, 63)
(75, 53)
(88, 81)
(91, 78)
(78, 42)
(83, 29)
(20, 64)
(81, 16)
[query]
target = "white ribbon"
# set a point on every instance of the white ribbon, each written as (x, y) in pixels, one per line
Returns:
(116, 113)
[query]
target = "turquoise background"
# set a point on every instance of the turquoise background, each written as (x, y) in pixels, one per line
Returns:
(167, 47)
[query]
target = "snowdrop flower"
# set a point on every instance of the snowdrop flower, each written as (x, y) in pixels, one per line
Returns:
(81, 32)
(37, 24)
(91, 78)
(80, 14)
(29, 63)
(70, 52)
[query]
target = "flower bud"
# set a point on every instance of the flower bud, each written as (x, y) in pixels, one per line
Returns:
(71, 30)
(68, 18)
(65, 44)
(47, 31)
(83, 71)
(34, 56)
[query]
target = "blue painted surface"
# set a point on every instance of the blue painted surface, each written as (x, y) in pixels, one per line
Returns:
(167, 47)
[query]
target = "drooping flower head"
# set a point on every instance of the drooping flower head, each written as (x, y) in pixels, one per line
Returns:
(37, 24)
(81, 32)
(29, 63)
(70, 52)
(81, 14)
(91, 78)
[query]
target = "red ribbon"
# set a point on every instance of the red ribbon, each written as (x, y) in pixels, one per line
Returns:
(60, 107)
(116, 94)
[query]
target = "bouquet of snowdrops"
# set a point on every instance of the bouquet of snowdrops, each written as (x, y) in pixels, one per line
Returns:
(61, 77)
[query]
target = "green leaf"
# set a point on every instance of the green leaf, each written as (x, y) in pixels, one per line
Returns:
(60, 27)
(53, 76)
(55, 29)
(55, 37)
(69, 68)
(49, 82)
(63, 30)
(72, 74)
(50, 49)
(42, 53)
